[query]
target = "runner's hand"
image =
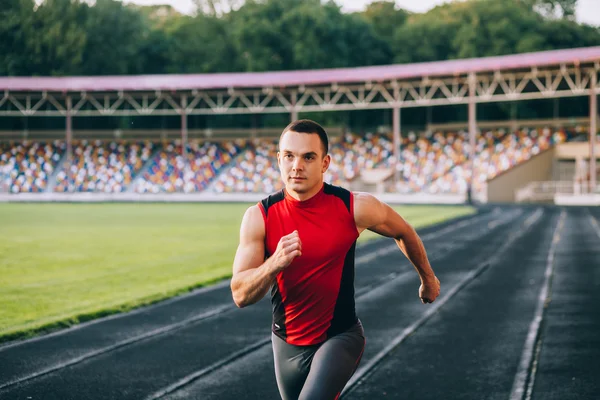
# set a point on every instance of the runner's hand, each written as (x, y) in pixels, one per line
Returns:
(288, 248)
(429, 291)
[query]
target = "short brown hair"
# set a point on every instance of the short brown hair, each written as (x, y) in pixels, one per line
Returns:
(308, 126)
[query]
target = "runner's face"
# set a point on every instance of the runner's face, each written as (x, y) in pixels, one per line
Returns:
(301, 161)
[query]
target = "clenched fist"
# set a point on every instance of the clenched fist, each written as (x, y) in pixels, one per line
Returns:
(429, 290)
(288, 248)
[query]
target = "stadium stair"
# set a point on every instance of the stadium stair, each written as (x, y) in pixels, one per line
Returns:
(52, 178)
(225, 169)
(465, 163)
(138, 176)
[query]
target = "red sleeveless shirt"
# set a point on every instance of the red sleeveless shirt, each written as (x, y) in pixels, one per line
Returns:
(313, 298)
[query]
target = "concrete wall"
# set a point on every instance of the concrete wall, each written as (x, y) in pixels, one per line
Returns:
(502, 188)
(574, 150)
(392, 198)
(577, 199)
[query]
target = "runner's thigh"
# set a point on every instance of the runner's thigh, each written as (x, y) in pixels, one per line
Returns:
(333, 365)
(292, 364)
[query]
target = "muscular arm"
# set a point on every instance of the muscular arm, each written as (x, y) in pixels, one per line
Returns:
(376, 216)
(252, 275)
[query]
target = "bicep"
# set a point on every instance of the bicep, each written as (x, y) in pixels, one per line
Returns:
(392, 225)
(251, 249)
(379, 217)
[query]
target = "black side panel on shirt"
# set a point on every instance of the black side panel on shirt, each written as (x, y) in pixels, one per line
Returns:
(266, 203)
(344, 313)
(339, 192)
(278, 312)
(272, 199)
(276, 302)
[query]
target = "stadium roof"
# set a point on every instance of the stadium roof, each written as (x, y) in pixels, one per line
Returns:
(297, 78)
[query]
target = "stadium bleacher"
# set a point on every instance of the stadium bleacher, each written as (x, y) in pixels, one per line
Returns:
(102, 166)
(496, 152)
(354, 153)
(168, 171)
(26, 166)
(431, 163)
(254, 170)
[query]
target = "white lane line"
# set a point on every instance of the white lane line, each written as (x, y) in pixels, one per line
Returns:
(363, 372)
(189, 378)
(126, 342)
(392, 248)
(139, 310)
(181, 324)
(536, 358)
(521, 381)
(594, 222)
(396, 277)
(393, 278)
(220, 285)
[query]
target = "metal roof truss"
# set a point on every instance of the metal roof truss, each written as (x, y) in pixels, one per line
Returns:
(561, 81)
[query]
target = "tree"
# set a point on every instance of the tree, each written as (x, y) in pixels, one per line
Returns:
(563, 34)
(554, 8)
(480, 28)
(216, 8)
(55, 39)
(201, 44)
(361, 45)
(256, 31)
(15, 15)
(385, 18)
(157, 47)
(295, 34)
(116, 34)
(161, 17)
(426, 37)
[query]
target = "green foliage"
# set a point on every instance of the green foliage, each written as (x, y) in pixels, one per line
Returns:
(480, 28)
(294, 34)
(116, 34)
(15, 15)
(201, 44)
(553, 8)
(68, 37)
(60, 37)
(385, 18)
(47, 40)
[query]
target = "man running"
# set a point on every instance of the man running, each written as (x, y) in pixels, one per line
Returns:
(300, 242)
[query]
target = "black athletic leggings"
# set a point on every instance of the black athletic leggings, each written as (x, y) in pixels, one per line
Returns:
(320, 371)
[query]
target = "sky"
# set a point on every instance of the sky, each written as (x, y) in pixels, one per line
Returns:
(588, 11)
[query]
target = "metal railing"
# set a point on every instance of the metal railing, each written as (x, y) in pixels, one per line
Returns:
(546, 190)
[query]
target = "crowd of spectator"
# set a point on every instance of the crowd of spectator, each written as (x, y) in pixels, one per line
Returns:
(27, 166)
(254, 170)
(496, 152)
(99, 166)
(435, 162)
(169, 172)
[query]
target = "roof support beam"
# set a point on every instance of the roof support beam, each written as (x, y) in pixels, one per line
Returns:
(560, 81)
(472, 134)
(69, 138)
(593, 129)
(184, 132)
(294, 109)
(397, 138)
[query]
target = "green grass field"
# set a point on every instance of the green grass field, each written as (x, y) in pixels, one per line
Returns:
(62, 264)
